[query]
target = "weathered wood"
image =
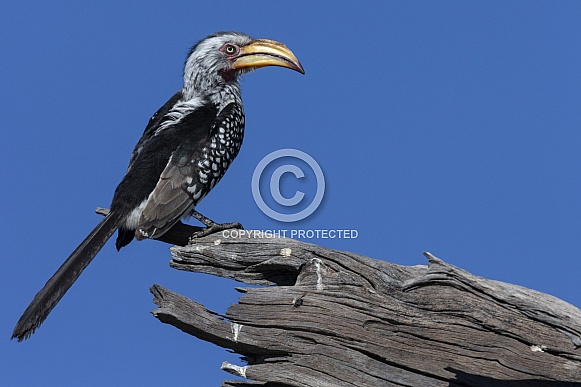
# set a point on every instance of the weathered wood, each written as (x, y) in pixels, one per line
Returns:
(332, 318)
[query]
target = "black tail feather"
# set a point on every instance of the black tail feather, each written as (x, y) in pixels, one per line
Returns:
(56, 287)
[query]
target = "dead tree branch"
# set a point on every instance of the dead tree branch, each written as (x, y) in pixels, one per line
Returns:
(332, 318)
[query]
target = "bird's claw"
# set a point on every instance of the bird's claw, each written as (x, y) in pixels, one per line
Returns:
(214, 228)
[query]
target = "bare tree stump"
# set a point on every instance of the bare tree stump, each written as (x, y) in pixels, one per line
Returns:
(332, 318)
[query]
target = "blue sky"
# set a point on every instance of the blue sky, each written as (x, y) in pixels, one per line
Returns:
(449, 127)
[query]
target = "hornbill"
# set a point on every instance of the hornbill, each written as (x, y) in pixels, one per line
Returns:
(186, 148)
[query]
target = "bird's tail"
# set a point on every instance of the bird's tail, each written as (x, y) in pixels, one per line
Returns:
(64, 278)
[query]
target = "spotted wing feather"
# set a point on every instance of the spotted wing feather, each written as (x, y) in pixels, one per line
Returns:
(188, 175)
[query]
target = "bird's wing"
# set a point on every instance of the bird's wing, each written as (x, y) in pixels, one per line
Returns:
(176, 193)
(170, 200)
(153, 124)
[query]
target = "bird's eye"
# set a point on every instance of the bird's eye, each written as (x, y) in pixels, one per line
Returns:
(230, 49)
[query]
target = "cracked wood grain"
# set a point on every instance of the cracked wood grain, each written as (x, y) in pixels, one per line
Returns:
(333, 318)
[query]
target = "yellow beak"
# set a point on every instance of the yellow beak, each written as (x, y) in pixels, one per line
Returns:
(264, 52)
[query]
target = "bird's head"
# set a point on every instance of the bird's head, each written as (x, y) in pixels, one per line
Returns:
(221, 58)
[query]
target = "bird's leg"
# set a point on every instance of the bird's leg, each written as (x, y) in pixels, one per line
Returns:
(211, 226)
